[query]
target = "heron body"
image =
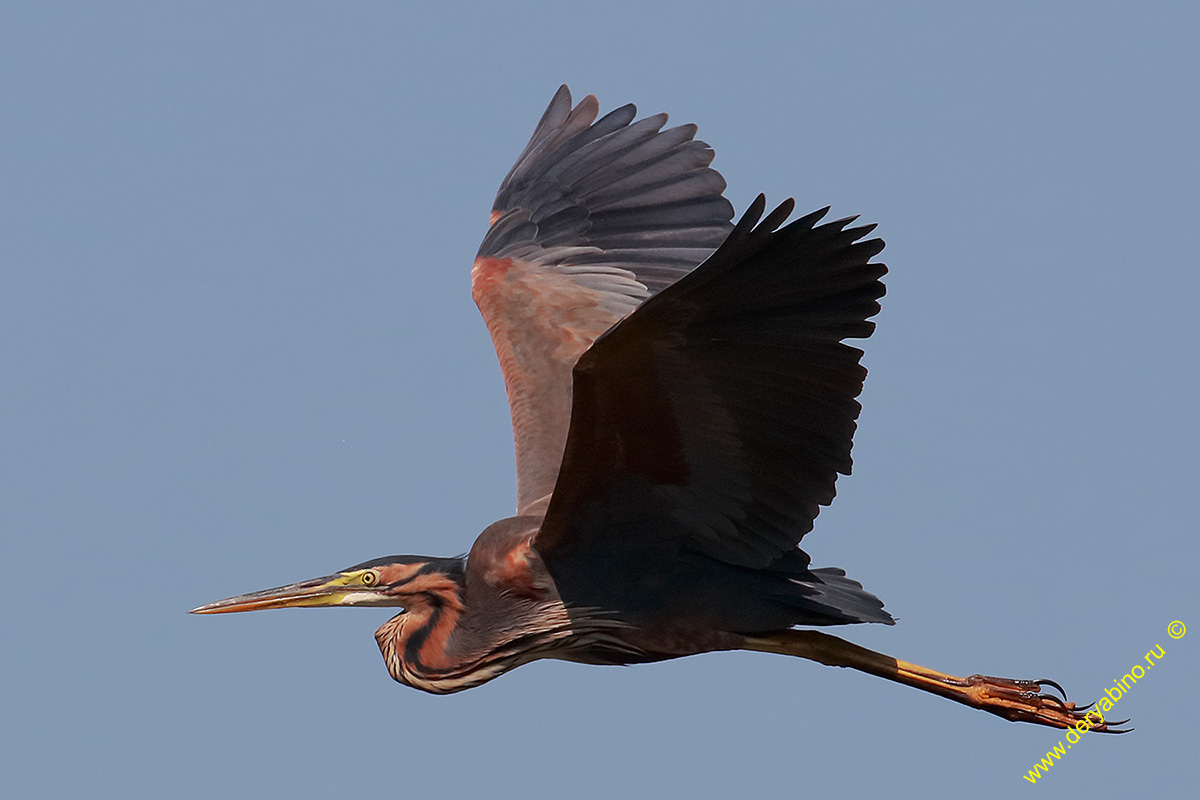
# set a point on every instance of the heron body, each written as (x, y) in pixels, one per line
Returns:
(682, 403)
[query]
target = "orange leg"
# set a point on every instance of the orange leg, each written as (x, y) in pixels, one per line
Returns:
(1015, 700)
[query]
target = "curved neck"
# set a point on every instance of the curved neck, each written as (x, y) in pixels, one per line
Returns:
(461, 629)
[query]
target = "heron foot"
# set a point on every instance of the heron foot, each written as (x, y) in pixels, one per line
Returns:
(1026, 701)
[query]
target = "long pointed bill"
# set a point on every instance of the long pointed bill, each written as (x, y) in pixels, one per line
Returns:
(334, 590)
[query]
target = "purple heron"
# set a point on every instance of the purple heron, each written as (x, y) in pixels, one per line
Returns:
(682, 403)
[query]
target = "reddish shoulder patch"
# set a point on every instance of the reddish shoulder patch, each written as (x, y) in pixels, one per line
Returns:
(512, 569)
(486, 273)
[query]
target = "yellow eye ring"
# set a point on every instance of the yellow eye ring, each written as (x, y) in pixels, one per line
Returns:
(369, 578)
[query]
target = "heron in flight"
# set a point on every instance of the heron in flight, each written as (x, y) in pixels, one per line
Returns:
(682, 404)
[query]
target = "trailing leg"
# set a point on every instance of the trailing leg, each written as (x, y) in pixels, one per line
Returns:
(1015, 700)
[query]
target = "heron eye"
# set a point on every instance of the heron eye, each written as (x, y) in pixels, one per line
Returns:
(369, 578)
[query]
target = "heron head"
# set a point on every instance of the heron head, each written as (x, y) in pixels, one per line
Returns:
(388, 581)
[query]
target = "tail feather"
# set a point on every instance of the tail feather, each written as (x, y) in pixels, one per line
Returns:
(833, 599)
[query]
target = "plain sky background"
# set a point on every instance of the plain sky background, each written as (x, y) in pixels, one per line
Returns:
(238, 349)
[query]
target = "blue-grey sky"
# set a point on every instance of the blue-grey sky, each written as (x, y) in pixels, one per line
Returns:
(238, 349)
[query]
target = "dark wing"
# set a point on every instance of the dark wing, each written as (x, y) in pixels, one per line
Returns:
(596, 216)
(725, 405)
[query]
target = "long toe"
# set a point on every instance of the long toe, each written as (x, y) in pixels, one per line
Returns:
(1024, 701)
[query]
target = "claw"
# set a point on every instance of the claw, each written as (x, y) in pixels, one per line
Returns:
(1049, 682)
(1053, 698)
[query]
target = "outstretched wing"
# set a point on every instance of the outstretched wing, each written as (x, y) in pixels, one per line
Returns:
(595, 217)
(718, 415)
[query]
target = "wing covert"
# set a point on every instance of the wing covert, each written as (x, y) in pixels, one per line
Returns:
(596, 216)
